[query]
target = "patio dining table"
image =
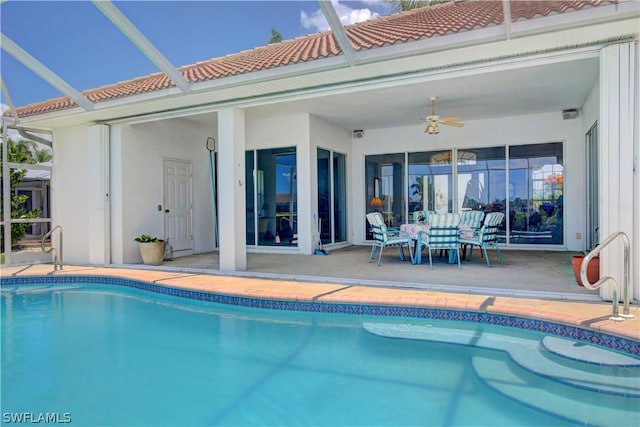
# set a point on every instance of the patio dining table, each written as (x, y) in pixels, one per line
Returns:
(412, 230)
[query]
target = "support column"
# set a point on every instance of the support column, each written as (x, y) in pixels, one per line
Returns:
(98, 194)
(617, 192)
(231, 190)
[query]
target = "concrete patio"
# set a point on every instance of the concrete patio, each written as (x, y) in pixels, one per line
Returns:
(539, 274)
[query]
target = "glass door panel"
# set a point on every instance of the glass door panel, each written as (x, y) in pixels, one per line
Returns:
(272, 197)
(384, 176)
(324, 195)
(332, 192)
(536, 194)
(431, 181)
(339, 198)
(250, 187)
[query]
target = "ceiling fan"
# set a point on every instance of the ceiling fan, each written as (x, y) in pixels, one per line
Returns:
(434, 120)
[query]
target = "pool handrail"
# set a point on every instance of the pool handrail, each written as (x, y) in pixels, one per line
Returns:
(57, 255)
(616, 316)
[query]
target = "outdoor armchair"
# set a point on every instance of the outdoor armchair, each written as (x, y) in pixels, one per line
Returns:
(486, 237)
(382, 238)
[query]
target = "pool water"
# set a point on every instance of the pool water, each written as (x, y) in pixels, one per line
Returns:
(122, 356)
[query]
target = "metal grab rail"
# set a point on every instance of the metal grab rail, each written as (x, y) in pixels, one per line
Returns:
(57, 256)
(616, 289)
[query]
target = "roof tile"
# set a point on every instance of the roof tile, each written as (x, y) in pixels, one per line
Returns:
(434, 21)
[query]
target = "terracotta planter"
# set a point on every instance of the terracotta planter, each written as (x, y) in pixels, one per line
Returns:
(152, 252)
(593, 269)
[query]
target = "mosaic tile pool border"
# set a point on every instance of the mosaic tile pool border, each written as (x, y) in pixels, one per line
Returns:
(621, 344)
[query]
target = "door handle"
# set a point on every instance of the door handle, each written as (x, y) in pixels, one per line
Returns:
(166, 211)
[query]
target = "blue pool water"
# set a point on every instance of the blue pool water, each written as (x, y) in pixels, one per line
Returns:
(105, 355)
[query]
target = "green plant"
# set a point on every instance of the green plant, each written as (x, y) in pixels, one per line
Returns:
(147, 238)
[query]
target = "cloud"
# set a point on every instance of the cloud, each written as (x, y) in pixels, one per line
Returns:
(347, 15)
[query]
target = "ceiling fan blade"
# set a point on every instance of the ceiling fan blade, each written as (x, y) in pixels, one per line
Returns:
(454, 124)
(450, 119)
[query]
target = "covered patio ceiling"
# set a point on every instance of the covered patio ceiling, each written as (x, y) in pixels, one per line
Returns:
(480, 95)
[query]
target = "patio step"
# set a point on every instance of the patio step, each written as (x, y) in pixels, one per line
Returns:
(591, 408)
(579, 351)
(533, 357)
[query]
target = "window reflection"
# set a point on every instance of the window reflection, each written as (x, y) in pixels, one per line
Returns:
(536, 196)
(531, 196)
(385, 173)
(431, 181)
(272, 202)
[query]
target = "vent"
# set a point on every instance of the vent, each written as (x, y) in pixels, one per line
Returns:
(569, 114)
(359, 133)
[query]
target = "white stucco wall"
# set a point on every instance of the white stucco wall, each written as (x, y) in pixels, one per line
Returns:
(516, 130)
(69, 191)
(138, 181)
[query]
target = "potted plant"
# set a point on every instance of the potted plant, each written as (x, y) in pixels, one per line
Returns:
(151, 249)
(593, 268)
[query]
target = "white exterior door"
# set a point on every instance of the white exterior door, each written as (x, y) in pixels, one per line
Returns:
(178, 215)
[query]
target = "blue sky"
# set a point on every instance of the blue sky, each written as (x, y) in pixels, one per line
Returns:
(78, 43)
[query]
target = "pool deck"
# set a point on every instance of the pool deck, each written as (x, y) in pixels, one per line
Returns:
(585, 314)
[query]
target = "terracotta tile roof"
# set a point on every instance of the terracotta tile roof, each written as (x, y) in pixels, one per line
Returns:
(424, 23)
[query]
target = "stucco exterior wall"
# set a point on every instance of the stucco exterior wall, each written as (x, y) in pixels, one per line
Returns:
(69, 191)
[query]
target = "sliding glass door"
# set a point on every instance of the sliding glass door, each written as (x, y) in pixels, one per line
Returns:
(525, 182)
(332, 197)
(536, 194)
(272, 197)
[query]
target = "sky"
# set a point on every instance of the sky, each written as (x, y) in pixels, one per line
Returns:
(79, 44)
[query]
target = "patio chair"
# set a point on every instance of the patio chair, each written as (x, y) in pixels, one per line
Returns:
(383, 238)
(486, 237)
(473, 219)
(443, 235)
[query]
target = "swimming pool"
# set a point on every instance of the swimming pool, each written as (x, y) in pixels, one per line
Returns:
(106, 351)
